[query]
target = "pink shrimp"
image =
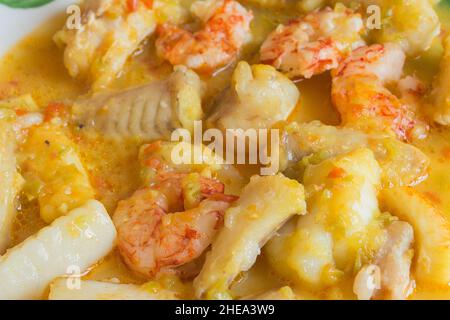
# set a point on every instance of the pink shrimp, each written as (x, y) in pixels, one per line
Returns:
(152, 240)
(226, 29)
(360, 95)
(314, 43)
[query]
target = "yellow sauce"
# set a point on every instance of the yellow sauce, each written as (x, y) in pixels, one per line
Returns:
(35, 66)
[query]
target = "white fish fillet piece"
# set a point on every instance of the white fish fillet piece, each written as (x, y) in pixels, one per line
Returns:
(107, 36)
(9, 182)
(97, 290)
(79, 239)
(148, 112)
(401, 164)
(264, 205)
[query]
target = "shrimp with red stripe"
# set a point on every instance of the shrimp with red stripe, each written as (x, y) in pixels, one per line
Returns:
(314, 43)
(226, 29)
(170, 223)
(360, 95)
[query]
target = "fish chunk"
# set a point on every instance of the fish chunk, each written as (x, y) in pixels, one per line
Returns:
(54, 172)
(97, 290)
(431, 231)
(10, 182)
(401, 164)
(108, 34)
(283, 293)
(264, 205)
(148, 112)
(441, 90)
(394, 260)
(78, 240)
(341, 224)
(258, 97)
(389, 277)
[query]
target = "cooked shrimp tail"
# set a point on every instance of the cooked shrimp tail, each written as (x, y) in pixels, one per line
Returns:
(152, 240)
(314, 43)
(226, 29)
(360, 95)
